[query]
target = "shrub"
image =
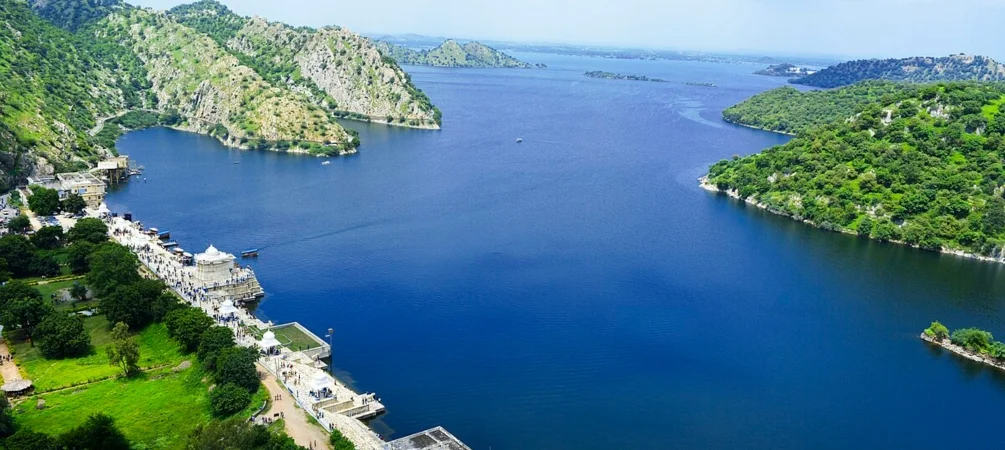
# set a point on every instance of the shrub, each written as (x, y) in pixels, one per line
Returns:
(937, 330)
(228, 399)
(186, 325)
(237, 365)
(972, 339)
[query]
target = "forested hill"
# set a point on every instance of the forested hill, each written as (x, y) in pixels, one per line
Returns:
(451, 54)
(787, 110)
(917, 69)
(926, 170)
(251, 83)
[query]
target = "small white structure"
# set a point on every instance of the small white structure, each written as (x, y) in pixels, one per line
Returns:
(227, 308)
(268, 341)
(214, 266)
(321, 380)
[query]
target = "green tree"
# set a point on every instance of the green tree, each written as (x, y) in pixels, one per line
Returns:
(228, 399)
(211, 343)
(97, 433)
(19, 255)
(62, 335)
(994, 216)
(237, 365)
(186, 325)
(43, 201)
(19, 224)
(26, 439)
(972, 339)
(90, 230)
(123, 352)
(25, 314)
(78, 292)
(111, 265)
(73, 204)
(7, 427)
(48, 238)
(865, 227)
(231, 434)
(76, 256)
(136, 303)
(17, 289)
(937, 331)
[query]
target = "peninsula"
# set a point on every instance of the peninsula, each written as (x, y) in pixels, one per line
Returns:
(917, 167)
(246, 81)
(618, 76)
(451, 54)
(918, 69)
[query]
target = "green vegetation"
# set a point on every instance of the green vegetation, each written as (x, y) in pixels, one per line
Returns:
(925, 170)
(937, 331)
(74, 14)
(124, 352)
(43, 201)
(292, 337)
(228, 400)
(788, 110)
(451, 54)
(618, 76)
(340, 442)
(784, 70)
(916, 69)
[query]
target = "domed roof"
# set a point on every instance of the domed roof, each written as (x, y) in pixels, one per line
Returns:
(213, 255)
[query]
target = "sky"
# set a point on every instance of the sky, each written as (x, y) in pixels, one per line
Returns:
(854, 28)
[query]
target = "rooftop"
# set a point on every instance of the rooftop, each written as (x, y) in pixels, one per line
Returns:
(76, 178)
(431, 439)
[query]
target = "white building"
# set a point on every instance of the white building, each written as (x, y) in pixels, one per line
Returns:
(214, 266)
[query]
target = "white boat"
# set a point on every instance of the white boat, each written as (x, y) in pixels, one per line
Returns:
(326, 163)
(519, 140)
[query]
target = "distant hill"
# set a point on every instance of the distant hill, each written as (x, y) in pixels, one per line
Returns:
(451, 54)
(917, 69)
(785, 70)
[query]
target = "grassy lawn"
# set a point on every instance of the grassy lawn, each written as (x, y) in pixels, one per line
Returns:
(291, 337)
(56, 287)
(156, 349)
(156, 410)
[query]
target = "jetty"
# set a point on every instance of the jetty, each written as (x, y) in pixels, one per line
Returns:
(214, 282)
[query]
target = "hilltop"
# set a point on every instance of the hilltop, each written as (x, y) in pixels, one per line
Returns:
(785, 70)
(916, 69)
(923, 167)
(67, 65)
(451, 54)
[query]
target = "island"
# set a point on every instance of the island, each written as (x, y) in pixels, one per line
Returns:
(785, 70)
(971, 343)
(452, 54)
(618, 76)
(919, 166)
(699, 83)
(918, 69)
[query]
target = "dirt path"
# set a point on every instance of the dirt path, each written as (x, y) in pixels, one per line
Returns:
(298, 426)
(8, 369)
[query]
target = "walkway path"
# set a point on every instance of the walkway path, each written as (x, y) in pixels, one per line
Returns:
(298, 427)
(8, 368)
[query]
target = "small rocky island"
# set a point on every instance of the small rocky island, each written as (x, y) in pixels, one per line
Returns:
(971, 343)
(618, 76)
(785, 70)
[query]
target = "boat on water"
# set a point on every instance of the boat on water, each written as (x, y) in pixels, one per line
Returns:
(164, 235)
(519, 140)
(169, 244)
(326, 163)
(250, 253)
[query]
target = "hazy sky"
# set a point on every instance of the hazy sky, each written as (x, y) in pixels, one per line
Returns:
(881, 28)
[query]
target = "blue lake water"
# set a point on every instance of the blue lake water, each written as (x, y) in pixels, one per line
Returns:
(578, 290)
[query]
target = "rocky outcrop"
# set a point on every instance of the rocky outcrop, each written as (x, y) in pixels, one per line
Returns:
(338, 69)
(452, 54)
(211, 89)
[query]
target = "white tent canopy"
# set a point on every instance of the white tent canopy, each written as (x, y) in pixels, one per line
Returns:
(321, 380)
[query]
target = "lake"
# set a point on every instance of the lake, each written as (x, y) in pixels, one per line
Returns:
(579, 290)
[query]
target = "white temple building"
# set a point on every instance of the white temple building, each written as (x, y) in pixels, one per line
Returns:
(219, 272)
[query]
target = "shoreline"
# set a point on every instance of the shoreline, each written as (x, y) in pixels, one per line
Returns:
(752, 127)
(956, 349)
(703, 182)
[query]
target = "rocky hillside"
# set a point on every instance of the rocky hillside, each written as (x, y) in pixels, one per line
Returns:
(211, 89)
(52, 86)
(451, 54)
(335, 68)
(917, 69)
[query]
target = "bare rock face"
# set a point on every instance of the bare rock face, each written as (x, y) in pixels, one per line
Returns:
(40, 404)
(340, 70)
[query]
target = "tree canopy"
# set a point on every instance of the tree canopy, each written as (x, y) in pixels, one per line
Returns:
(43, 201)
